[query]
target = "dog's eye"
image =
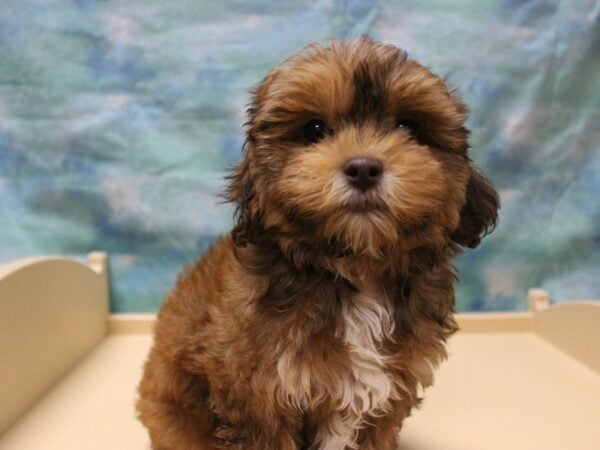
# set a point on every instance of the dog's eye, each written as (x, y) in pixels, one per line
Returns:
(407, 125)
(314, 131)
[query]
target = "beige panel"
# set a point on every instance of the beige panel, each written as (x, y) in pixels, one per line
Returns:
(573, 327)
(495, 322)
(92, 408)
(496, 392)
(128, 323)
(507, 391)
(52, 312)
(503, 387)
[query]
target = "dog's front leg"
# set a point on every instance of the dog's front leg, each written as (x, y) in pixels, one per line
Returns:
(171, 406)
(338, 432)
(378, 435)
(381, 431)
(257, 436)
(345, 431)
(251, 419)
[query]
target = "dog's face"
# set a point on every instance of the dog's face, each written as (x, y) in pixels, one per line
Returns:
(357, 147)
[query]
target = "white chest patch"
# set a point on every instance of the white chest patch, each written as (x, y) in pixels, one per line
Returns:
(366, 388)
(358, 391)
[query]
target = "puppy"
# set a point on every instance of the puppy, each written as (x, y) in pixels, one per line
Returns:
(317, 322)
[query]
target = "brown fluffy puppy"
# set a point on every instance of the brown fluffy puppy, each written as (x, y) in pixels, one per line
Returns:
(315, 323)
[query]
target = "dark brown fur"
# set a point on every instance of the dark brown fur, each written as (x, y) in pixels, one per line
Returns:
(314, 324)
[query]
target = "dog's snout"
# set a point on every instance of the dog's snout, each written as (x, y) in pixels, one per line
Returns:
(363, 172)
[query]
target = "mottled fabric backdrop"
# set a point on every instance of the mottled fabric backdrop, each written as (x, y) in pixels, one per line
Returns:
(118, 121)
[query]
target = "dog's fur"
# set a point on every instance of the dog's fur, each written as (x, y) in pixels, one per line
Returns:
(318, 320)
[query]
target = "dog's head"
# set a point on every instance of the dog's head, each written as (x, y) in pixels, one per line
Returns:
(356, 147)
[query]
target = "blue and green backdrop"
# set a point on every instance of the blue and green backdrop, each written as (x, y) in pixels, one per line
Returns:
(118, 121)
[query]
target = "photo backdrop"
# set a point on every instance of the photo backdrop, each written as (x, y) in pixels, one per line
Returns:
(118, 121)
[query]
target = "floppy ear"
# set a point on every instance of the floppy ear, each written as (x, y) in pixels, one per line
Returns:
(479, 215)
(241, 192)
(241, 189)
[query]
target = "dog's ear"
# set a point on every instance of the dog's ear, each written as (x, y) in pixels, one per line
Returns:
(241, 191)
(479, 215)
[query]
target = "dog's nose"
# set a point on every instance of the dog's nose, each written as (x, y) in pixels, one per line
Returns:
(363, 172)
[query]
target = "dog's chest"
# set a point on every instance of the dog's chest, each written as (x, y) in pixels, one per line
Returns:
(355, 382)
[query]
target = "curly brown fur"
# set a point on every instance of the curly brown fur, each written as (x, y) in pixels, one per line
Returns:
(317, 321)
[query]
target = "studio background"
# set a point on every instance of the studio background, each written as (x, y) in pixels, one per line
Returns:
(119, 120)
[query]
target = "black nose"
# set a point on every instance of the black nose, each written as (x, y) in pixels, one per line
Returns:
(362, 172)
